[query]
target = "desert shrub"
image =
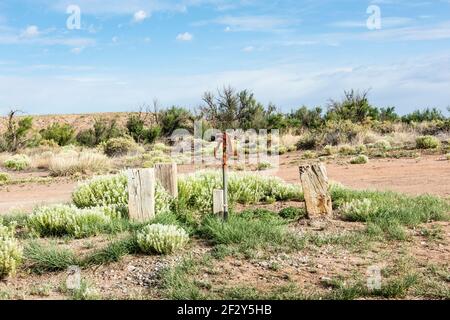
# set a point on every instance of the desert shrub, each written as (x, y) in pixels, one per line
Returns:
(85, 162)
(61, 220)
(4, 178)
(329, 150)
(196, 190)
(361, 149)
(107, 191)
(292, 213)
(447, 156)
(62, 134)
(308, 141)
(427, 142)
(382, 145)
(357, 210)
(264, 165)
(309, 155)
(347, 150)
(102, 131)
(163, 239)
(341, 132)
(120, 146)
(10, 251)
(361, 159)
(18, 162)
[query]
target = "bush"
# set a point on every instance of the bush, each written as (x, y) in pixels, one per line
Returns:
(357, 210)
(361, 159)
(264, 166)
(307, 142)
(85, 162)
(4, 178)
(292, 213)
(163, 239)
(196, 190)
(347, 150)
(17, 162)
(383, 145)
(107, 191)
(10, 251)
(120, 146)
(427, 142)
(447, 156)
(62, 220)
(48, 258)
(62, 134)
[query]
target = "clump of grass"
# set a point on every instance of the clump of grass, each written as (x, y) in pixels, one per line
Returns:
(361, 159)
(86, 162)
(427, 142)
(4, 178)
(48, 258)
(114, 252)
(309, 155)
(249, 232)
(62, 220)
(85, 292)
(347, 150)
(18, 162)
(264, 165)
(388, 212)
(292, 213)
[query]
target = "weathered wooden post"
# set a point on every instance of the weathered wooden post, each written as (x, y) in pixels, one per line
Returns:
(141, 191)
(315, 188)
(218, 203)
(167, 175)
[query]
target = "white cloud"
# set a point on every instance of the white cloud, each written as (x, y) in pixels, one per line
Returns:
(115, 39)
(250, 23)
(77, 50)
(30, 32)
(185, 36)
(248, 49)
(409, 84)
(140, 16)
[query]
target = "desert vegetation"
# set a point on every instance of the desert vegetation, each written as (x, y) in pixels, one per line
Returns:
(267, 249)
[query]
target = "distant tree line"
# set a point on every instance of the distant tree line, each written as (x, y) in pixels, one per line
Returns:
(228, 108)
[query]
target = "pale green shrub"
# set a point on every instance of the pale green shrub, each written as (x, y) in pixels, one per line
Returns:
(329, 150)
(161, 147)
(361, 149)
(383, 145)
(361, 159)
(358, 210)
(264, 165)
(85, 162)
(163, 239)
(4, 178)
(107, 191)
(309, 155)
(196, 190)
(347, 150)
(18, 162)
(61, 220)
(10, 251)
(120, 146)
(427, 142)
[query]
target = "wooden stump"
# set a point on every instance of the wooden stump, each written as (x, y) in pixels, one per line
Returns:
(141, 191)
(315, 188)
(218, 202)
(167, 175)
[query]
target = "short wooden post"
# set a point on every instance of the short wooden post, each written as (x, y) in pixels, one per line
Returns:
(141, 191)
(218, 203)
(315, 188)
(167, 175)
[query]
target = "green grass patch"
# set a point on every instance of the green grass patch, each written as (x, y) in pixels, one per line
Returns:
(48, 258)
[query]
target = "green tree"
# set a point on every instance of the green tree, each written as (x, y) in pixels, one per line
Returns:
(62, 134)
(354, 107)
(175, 118)
(16, 134)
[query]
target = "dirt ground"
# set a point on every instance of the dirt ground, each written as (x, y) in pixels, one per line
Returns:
(429, 174)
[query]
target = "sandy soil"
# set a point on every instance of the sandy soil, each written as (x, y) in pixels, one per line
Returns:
(428, 175)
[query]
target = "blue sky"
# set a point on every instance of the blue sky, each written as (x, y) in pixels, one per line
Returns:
(291, 53)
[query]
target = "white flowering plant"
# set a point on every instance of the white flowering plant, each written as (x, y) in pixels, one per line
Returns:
(162, 239)
(10, 251)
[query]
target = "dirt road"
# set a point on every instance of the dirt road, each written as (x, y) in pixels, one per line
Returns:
(430, 174)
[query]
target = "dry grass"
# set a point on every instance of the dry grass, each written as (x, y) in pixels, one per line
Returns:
(82, 163)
